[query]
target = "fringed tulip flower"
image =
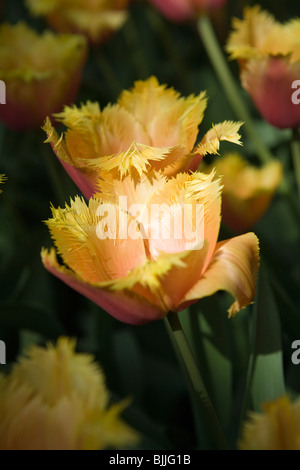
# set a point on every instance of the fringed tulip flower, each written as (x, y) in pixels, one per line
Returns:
(147, 246)
(41, 73)
(180, 10)
(55, 399)
(150, 127)
(268, 53)
(94, 18)
(247, 190)
(277, 428)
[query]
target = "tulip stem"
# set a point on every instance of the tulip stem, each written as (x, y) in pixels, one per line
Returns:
(295, 147)
(221, 67)
(187, 360)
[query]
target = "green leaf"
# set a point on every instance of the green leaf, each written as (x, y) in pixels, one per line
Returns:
(265, 374)
(206, 328)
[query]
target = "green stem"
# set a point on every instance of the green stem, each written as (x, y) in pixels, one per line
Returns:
(187, 360)
(295, 147)
(220, 65)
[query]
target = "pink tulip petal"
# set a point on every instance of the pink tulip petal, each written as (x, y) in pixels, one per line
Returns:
(269, 83)
(233, 268)
(124, 307)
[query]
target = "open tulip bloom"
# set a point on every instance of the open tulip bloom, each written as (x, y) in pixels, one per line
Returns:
(148, 245)
(129, 134)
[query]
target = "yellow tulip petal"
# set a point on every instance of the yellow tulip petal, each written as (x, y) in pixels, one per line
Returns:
(277, 428)
(175, 161)
(159, 107)
(86, 237)
(182, 121)
(107, 429)
(249, 34)
(2, 179)
(227, 130)
(130, 190)
(57, 142)
(233, 268)
(92, 133)
(84, 177)
(147, 99)
(259, 35)
(49, 382)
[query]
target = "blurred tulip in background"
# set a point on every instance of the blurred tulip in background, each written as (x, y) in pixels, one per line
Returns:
(42, 72)
(94, 18)
(247, 190)
(268, 53)
(56, 399)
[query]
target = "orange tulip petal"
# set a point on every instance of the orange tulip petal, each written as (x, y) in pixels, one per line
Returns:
(179, 280)
(233, 268)
(227, 130)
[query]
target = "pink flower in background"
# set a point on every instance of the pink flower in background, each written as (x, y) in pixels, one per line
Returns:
(180, 10)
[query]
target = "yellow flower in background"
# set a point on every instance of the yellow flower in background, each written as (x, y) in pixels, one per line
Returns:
(94, 18)
(268, 53)
(56, 399)
(150, 127)
(247, 190)
(147, 246)
(277, 428)
(42, 72)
